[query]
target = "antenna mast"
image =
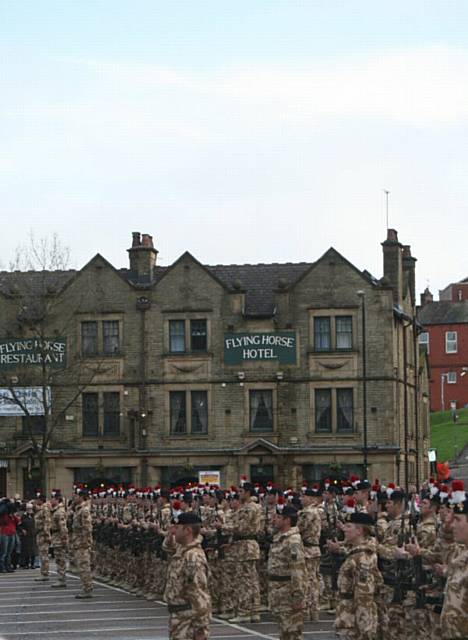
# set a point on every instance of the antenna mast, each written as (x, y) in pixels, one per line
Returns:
(386, 205)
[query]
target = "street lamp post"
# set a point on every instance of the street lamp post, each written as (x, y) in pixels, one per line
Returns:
(443, 377)
(362, 295)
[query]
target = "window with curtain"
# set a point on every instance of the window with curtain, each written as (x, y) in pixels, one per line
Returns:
(323, 410)
(261, 410)
(111, 413)
(178, 412)
(110, 336)
(177, 336)
(90, 414)
(344, 410)
(199, 405)
(344, 332)
(89, 338)
(198, 335)
(451, 342)
(322, 334)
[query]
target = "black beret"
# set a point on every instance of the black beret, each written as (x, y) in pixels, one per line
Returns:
(288, 511)
(165, 493)
(461, 507)
(189, 517)
(361, 518)
(313, 493)
(187, 497)
(397, 496)
(364, 485)
(248, 486)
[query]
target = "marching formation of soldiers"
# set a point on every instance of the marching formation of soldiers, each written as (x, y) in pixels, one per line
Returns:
(386, 563)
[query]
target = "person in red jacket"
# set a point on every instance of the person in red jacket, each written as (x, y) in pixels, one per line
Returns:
(8, 524)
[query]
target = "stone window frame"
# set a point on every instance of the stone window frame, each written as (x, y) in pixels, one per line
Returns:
(188, 400)
(100, 318)
(187, 318)
(101, 391)
(333, 313)
(259, 386)
(333, 386)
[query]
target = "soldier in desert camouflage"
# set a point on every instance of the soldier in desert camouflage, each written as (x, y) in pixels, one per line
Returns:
(358, 581)
(82, 540)
(309, 524)
(187, 593)
(42, 526)
(59, 537)
(454, 616)
(287, 575)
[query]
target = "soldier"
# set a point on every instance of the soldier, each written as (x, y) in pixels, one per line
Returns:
(454, 616)
(391, 550)
(42, 526)
(187, 593)
(59, 537)
(358, 581)
(82, 542)
(309, 524)
(287, 575)
(245, 528)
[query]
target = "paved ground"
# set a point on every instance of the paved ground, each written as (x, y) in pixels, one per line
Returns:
(31, 610)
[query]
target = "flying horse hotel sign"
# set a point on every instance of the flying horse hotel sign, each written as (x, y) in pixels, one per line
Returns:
(25, 352)
(278, 345)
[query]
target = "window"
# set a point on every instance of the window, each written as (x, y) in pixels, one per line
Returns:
(101, 414)
(100, 337)
(110, 336)
(261, 410)
(424, 340)
(344, 410)
(111, 413)
(35, 425)
(188, 412)
(344, 332)
(198, 336)
(334, 410)
(89, 338)
(196, 332)
(178, 412)
(322, 334)
(323, 410)
(451, 342)
(90, 414)
(452, 377)
(177, 336)
(199, 412)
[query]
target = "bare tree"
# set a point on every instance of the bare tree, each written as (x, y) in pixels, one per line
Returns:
(42, 369)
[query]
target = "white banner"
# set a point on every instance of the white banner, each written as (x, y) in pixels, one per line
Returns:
(29, 397)
(209, 477)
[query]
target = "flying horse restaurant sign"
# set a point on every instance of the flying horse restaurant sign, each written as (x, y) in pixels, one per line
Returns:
(278, 345)
(25, 352)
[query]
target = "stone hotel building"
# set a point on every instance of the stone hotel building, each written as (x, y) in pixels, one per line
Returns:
(279, 372)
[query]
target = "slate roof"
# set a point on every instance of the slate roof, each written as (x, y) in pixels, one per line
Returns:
(443, 312)
(259, 282)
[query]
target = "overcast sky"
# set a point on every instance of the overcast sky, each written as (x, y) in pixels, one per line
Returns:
(246, 131)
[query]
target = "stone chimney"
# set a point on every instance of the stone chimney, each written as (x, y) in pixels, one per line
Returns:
(409, 271)
(142, 258)
(426, 297)
(393, 264)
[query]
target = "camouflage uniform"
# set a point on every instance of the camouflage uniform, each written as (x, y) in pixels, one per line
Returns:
(186, 593)
(392, 614)
(42, 525)
(454, 616)
(309, 524)
(358, 581)
(59, 535)
(82, 543)
(245, 527)
(287, 582)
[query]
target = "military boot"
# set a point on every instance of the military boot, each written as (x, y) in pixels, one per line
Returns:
(84, 595)
(41, 579)
(59, 584)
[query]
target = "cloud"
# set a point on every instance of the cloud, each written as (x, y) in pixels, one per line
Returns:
(423, 86)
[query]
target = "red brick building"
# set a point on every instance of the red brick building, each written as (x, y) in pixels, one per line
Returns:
(446, 341)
